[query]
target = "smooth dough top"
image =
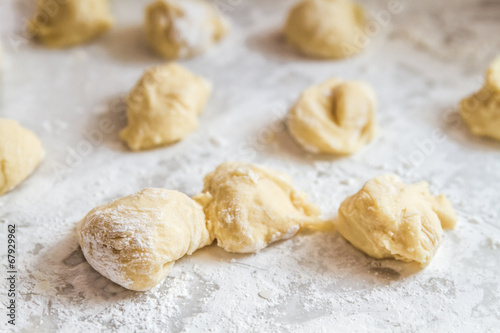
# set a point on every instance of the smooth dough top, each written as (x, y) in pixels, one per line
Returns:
(326, 28)
(481, 111)
(135, 240)
(20, 153)
(389, 219)
(183, 28)
(334, 117)
(69, 23)
(247, 207)
(164, 106)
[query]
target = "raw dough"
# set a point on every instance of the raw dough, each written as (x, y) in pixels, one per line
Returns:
(326, 28)
(334, 117)
(68, 23)
(247, 207)
(389, 219)
(20, 153)
(164, 106)
(183, 28)
(481, 111)
(134, 241)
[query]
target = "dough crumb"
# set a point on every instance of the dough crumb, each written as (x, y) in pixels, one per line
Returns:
(326, 28)
(135, 240)
(334, 117)
(69, 23)
(164, 106)
(248, 207)
(481, 111)
(20, 153)
(389, 219)
(178, 29)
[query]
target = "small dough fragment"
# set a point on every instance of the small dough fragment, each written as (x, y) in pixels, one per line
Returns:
(481, 111)
(135, 240)
(70, 22)
(20, 153)
(326, 28)
(164, 106)
(178, 29)
(334, 117)
(247, 207)
(389, 219)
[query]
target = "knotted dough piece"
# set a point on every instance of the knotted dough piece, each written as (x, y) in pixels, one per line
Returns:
(70, 22)
(481, 111)
(389, 219)
(134, 241)
(334, 117)
(164, 106)
(183, 28)
(247, 207)
(20, 153)
(326, 28)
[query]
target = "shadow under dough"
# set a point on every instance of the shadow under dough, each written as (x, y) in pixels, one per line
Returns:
(272, 44)
(128, 45)
(455, 128)
(73, 279)
(104, 128)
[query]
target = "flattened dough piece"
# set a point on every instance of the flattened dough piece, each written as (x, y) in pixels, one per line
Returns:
(481, 111)
(164, 106)
(247, 207)
(134, 241)
(70, 22)
(178, 29)
(20, 153)
(389, 219)
(326, 28)
(334, 117)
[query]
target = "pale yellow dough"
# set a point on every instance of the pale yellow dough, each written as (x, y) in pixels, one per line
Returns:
(183, 28)
(164, 106)
(389, 219)
(134, 241)
(247, 207)
(334, 117)
(481, 111)
(326, 28)
(70, 22)
(20, 153)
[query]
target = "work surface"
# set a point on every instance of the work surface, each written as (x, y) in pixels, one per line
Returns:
(421, 63)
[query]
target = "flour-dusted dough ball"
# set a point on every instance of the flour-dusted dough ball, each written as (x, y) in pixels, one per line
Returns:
(247, 207)
(389, 219)
(183, 28)
(20, 153)
(481, 111)
(334, 117)
(326, 28)
(164, 106)
(134, 241)
(64, 23)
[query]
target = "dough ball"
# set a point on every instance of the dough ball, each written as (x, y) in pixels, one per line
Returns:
(326, 28)
(164, 106)
(389, 219)
(247, 207)
(20, 153)
(183, 28)
(334, 117)
(68, 23)
(481, 111)
(134, 241)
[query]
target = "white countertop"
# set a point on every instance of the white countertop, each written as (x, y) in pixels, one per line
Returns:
(421, 63)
